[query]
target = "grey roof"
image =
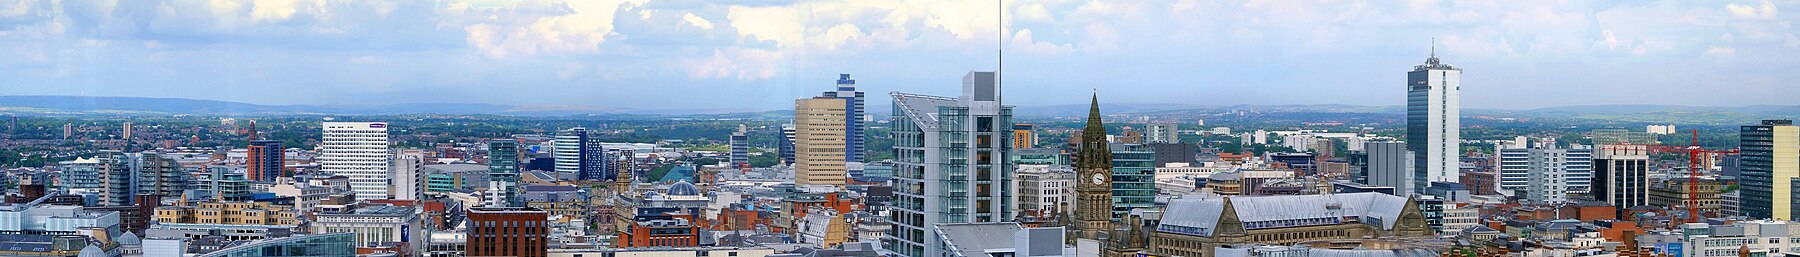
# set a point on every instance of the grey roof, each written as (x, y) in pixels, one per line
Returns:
(974, 239)
(922, 109)
(130, 238)
(460, 167)
(683, 188)
(91, 251)
(1202, 213)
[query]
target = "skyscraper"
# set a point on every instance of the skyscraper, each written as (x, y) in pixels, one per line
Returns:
(950, 164)
(503, 172)
(125, 134)
(819, 141)
(161, 176)
(264, 160)
(1433, 124)
(1622, 175)
(359, 151)
(580, 153)
(853, 122)
(1770, 162)
(740, 147)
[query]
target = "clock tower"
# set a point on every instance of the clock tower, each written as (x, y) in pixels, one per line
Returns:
(1093, 169)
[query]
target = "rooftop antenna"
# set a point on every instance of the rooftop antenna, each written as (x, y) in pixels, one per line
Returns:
(1433, 47)
(999, 72)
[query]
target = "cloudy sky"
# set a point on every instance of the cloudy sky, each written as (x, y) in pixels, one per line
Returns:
(656, 54)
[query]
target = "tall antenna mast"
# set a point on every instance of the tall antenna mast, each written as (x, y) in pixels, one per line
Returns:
(999, 72)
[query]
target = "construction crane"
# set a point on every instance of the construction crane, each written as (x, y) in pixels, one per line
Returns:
(1694, 153)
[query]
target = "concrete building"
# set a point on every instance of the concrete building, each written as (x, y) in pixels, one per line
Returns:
(1673, 193)
(950, 165)
(1622, 175)
(740, 147)
(1434, 121)
(358, 150)
(1770, 162)
(1390, 165)
(1162, 133)
(374, 224)
(408, 177)
(1517, 167)
(511, 231)
(1762, 238)
(1548, 176)
(1044, 190)
(819, 141)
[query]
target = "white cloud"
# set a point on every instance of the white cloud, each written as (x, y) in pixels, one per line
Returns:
(1720, 52)
(586, 25)
(1761, 11)
(695, 20)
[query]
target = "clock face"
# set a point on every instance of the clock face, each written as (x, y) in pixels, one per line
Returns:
(1098, 179)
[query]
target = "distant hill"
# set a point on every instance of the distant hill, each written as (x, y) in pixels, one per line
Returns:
(38, 104)
(102, 105)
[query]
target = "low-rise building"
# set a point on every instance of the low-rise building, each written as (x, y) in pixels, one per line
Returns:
(375, 226)
(1195, 226)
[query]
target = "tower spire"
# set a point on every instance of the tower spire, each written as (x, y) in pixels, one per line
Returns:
(1434, 47)
(1094, 152)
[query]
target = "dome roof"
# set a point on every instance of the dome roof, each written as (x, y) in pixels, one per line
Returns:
(130, 239)
(91, 251)
(683, 188)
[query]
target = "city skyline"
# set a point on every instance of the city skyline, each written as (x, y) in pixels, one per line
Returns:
(762, 55)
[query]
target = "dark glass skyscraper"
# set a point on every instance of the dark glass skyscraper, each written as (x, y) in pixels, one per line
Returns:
(264, 160)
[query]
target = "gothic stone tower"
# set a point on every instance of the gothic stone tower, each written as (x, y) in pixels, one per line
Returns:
(1093, 169)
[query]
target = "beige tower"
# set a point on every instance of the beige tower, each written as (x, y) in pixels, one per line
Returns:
(819, 141)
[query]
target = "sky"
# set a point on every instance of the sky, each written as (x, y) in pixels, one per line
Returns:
(762, 54)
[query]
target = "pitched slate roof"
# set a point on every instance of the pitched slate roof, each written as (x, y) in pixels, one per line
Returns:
(1200, 215)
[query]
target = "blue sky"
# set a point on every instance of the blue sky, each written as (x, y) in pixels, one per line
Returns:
(656, 54)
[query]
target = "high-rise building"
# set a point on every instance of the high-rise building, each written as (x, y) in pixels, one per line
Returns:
(503, 172)
(68, 130)
(740, 147)
(161, 176)
(1433, 124)
(124, 134)
(950, 165)
(115, 171)
(359, 151)
(511, 231)
(1548, 175)
(785, 143)
(1162, 133)
(1390, 164)
(408, 177)
(1770, 162)
(819, 141)
(1133, 178)
(1622, 175)
(1024, 136)
(1516, 166)
(580, 153)
(264, 160)
(854, 117)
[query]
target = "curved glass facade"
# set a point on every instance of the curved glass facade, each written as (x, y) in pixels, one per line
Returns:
(324, 245)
